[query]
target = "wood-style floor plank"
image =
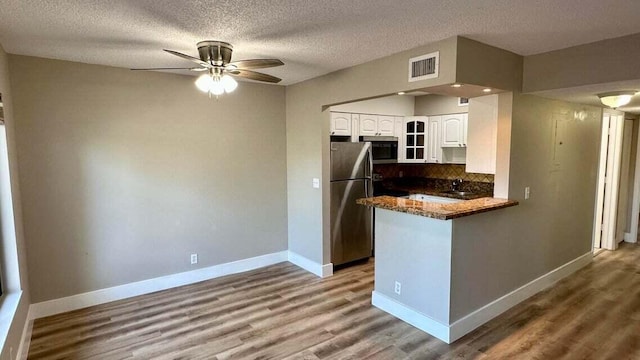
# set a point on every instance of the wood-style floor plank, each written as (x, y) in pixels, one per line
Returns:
(283, 312)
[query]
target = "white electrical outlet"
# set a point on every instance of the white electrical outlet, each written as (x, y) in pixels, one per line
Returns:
(527, 192)
(194, 259)
(398, 288)
(316, 183)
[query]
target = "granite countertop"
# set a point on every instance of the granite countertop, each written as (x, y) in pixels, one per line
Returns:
(437, 210)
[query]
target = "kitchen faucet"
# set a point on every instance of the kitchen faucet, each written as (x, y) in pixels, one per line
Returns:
(455, 185)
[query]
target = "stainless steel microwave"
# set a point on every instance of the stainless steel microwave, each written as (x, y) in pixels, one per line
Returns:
(384, 149)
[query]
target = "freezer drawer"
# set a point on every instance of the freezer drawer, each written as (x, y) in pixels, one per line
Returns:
(351, 224)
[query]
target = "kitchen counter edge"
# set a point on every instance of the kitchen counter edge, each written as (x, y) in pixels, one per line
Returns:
(437, 210)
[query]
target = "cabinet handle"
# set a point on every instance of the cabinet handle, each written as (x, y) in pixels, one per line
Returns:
(333, 133)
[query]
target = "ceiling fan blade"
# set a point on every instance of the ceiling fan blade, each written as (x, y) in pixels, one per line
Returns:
(190, 58)
(254, 75)
(171, 68)
(255, 63)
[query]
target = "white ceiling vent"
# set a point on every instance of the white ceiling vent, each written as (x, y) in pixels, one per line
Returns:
(424, 67)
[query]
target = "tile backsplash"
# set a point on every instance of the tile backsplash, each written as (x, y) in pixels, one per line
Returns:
(432, 171)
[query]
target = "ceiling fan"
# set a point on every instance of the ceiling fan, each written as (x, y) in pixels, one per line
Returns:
(215, 59)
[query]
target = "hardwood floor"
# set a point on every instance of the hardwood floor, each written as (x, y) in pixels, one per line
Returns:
(283, 312)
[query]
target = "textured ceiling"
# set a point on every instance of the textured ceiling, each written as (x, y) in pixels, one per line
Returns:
(311, 37)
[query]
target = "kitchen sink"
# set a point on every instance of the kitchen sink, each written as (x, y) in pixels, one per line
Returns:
(432, 198)
(459, 193)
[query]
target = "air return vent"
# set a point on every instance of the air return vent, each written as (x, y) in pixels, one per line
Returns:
(424, 67)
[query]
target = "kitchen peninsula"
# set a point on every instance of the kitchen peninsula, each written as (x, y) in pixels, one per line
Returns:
(431, 262)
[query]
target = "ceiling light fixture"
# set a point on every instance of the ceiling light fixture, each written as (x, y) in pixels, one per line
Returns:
(615, 99)
(456, 85)
(215, 83)
(486, 90)
(401, 93)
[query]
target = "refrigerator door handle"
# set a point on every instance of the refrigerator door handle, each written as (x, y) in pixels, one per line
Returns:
(366, 188)
(370, 162)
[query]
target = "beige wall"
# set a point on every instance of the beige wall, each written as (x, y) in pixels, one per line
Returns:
(552, 227)
(600, 62)
(388, 105)
(438, 104)
(12, 241)
(125, 174)
(485, 65)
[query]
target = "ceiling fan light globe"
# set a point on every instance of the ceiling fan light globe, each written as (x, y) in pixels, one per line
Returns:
(616, 101)
(229, 83)
(216, 88)
(204, 82)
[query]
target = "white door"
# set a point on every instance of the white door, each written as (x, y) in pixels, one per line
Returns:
(465, 127)
(386, 125)
(340, 124)
(434, 151)
(608, 182)
(452, 131)
(368, 125)
(414, 138)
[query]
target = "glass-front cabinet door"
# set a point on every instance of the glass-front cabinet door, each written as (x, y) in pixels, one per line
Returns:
(415, 133)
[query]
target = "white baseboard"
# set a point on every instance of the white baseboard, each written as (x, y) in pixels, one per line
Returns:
(406, 314)
(311, 266)
(452, 332)
(628, 238)
(120, 292)
(498, 306)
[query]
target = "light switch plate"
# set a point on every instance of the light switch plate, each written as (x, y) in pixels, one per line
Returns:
(316, 183)
(527, 193)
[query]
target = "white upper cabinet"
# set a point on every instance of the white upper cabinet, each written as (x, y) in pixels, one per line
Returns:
(413, 143)
(377, 125)
(482, 140)
(340, 124)
(434, 150)
(453, 130)
(368, 125)
(386, 125)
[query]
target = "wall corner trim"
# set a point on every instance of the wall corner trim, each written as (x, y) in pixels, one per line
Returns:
(411, 316)
(471, 321)
(79, 301)
(313, 267)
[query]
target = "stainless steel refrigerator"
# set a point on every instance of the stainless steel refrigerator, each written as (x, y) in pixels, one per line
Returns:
(351, 224)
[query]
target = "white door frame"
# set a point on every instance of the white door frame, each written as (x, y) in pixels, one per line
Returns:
(635, 208)
(602, 163)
